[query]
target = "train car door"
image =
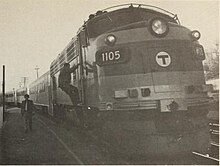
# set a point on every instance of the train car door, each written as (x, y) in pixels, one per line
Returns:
(75, 76)
(82, 40)
(53, 89)
(50, 97)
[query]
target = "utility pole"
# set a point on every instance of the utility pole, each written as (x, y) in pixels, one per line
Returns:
(37, 68)
(3, 93)
(14, 94)
(24, 80)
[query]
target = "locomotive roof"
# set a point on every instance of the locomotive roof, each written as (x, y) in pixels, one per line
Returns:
(70, 51)
(149, 8)
(118, 16)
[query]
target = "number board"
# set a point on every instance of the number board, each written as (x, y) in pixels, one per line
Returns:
(108, 56)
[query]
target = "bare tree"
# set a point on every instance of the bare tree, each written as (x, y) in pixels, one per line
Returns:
(211, 64)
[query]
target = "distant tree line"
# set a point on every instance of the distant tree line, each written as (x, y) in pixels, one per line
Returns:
(211, 64)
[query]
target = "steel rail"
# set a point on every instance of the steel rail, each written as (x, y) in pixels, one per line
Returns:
(205, 156)
(213, 124)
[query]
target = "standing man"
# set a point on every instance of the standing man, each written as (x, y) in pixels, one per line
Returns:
(27, 107)
(64, 81)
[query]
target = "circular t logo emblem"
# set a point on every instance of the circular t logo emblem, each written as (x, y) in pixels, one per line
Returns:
(163, 59)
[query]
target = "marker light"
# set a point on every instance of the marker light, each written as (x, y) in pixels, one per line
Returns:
(159, 27)
(110, 40)
(195, 35)
(109, 106)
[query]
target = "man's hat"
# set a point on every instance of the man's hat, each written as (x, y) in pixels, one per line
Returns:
(26, 95)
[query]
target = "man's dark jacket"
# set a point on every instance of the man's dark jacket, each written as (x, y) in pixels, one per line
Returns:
(30, 106)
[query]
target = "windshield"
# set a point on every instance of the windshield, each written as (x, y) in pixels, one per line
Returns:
(108, 21)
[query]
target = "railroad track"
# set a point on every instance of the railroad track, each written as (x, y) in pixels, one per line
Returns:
(214, 131)
(213, 155)
(212, 158)
(197, 158)
(206, 158)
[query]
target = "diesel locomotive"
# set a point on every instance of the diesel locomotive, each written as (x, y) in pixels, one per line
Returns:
(140, 80)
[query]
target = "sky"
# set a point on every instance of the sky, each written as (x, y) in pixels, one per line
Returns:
(34, 32)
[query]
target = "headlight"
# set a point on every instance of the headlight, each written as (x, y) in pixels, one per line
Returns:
(195, 35)
(159, 27)
(110, 40)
